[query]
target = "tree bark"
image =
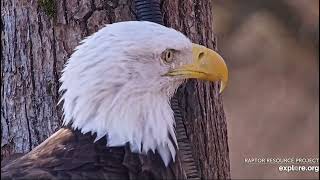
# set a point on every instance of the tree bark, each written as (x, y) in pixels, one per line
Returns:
(39, 36)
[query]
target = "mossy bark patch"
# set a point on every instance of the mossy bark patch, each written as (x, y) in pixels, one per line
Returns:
(49, 7)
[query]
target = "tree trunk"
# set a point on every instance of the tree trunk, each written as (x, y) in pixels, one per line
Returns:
(39, 36)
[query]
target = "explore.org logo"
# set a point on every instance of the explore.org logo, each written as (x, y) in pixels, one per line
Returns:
(296, 168)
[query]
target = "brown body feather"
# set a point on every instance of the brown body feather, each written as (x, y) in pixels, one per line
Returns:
(69, 154)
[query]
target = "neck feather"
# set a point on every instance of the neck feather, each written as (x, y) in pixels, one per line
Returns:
(142, 118)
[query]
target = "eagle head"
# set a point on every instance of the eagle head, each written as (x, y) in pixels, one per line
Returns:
(119, 81)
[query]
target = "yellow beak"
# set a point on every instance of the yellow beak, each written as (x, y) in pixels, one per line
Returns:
(206, 65)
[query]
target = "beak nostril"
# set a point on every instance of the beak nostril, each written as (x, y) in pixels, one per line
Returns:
(200, 56)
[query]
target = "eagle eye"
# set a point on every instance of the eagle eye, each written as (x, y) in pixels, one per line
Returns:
(167, 55)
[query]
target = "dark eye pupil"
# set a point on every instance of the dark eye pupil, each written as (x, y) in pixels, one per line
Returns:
(168, 55)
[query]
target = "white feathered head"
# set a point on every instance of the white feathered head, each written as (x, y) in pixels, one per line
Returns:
(119, 82)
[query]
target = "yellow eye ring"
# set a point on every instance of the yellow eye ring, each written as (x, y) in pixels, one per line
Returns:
(167, 55)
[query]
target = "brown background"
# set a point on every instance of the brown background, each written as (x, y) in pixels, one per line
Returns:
(271, 104)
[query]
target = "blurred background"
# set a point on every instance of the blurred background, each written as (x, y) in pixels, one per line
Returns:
(272, 103)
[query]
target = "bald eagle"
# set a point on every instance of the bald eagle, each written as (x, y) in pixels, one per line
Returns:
(116, 90)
